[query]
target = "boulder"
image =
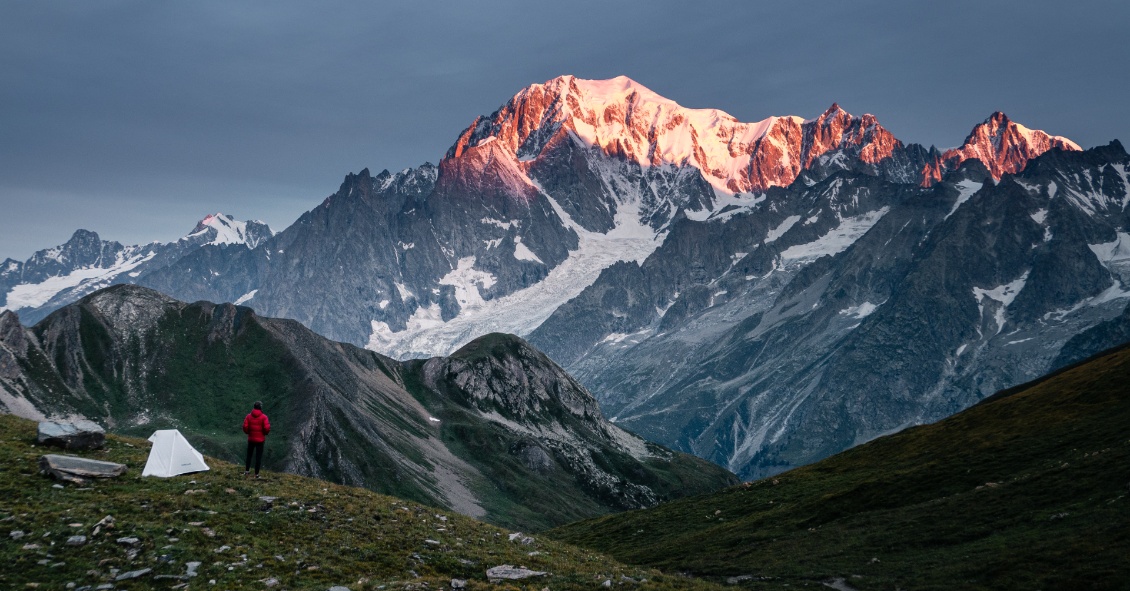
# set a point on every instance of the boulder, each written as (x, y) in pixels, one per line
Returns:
(77, 470)
(79, 434)
(507, 572)
(133, 574)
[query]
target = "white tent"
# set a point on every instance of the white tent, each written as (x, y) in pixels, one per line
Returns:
(172, 455)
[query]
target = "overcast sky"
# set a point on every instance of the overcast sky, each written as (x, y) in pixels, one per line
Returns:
(136, 118)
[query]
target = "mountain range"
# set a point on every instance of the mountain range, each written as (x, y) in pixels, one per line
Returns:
(55, 277)
(759, 294)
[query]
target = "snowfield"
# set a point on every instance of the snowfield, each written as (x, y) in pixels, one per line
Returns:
(524, 310)
(33, 295)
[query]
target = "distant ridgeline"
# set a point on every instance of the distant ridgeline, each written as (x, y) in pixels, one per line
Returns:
(495, 431)
(759, 294)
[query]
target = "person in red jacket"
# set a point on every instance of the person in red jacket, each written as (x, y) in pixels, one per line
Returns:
(257, 426)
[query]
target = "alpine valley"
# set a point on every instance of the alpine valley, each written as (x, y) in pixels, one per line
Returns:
(761, 295)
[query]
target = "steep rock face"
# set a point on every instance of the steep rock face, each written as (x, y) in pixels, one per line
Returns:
(497, 431)
(14, 345)
(1002, 145)
(835, 312)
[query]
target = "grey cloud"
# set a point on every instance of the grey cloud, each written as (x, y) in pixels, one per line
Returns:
(135, 118)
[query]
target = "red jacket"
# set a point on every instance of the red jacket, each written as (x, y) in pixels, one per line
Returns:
(256, 426)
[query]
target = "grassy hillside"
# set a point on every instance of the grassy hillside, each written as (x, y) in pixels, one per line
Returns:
(312, 535)
(527, 449)
(1028, 490)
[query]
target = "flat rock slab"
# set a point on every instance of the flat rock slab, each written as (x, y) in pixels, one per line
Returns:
(80, 434)
(133, 574)
(506, 572)
(78, 470)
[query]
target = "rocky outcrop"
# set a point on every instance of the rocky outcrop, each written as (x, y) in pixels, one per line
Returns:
(72, 435)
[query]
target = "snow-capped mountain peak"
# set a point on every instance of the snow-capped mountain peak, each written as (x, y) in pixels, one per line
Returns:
(220, 228)
(623, 118)
(1004, 146)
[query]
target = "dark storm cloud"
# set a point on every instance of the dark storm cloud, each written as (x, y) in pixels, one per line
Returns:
(136, 118)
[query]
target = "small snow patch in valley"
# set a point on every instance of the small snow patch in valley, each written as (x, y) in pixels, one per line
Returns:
(861, 311)
(243, 299)
(1002, 294)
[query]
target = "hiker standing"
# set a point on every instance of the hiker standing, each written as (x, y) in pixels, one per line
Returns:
(257, 427)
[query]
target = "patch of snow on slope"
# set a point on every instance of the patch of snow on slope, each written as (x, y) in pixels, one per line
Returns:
(1118, 250)
(1090, 201)
(1040, 216)
(736, 202)
(1114, 292)
(243, 299)
(468, 281)
(966, 189)
(499, 223)
(861, 311)
(838, 239)
(783, 227)
(615, 337)
(1002, 294)
(523, 252)
(524, 310)
(33, 295)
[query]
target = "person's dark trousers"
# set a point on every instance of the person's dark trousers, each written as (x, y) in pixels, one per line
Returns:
(256, 448)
